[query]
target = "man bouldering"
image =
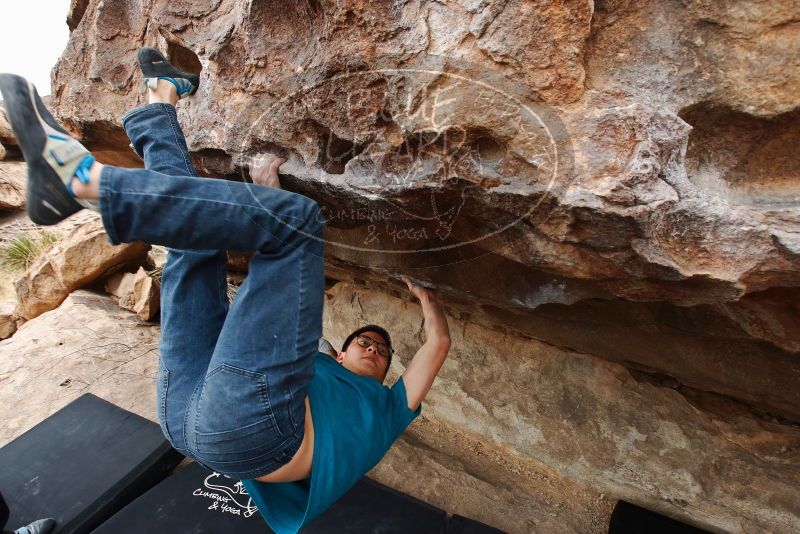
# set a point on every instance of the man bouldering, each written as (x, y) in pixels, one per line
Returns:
(242, 387)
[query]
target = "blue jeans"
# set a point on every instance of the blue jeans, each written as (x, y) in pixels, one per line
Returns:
(232, 380)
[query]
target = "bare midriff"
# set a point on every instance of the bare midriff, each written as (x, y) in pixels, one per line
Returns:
(299, 467)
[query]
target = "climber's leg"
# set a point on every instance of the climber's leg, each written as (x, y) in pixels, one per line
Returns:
(194, 299)
(283, 228)
(249, 415)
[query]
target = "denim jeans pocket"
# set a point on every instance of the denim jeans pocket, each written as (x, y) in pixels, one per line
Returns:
(234, 419)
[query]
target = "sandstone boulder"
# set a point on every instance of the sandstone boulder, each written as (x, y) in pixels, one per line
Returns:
(137, 292)
(8, 320)
(631, 152)
(616, 179)
(6, 135)
(86, 345)
(433, 133)
(12, 185)
(74, 262)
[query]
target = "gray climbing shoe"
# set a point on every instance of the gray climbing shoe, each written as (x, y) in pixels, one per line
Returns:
(54, 157)
(156, 67)
(40, 526)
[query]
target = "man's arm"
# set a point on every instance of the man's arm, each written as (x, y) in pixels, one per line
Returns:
(425, 364)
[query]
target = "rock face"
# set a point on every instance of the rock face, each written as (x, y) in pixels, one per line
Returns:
(12, 173)
(12, 185)
(8, 321)
(613, 178)
(74, 262)
(6, 135)
(560, 432)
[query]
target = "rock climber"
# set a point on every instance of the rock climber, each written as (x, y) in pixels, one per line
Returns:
(242, 388)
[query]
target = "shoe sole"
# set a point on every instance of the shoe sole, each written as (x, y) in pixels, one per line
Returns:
(153, 64)
(47, 199)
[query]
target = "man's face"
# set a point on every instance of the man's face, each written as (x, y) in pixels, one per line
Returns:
(365, 361)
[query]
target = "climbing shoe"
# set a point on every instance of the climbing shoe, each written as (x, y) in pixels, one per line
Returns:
(156, 67)
(40, 526)
(54, 157)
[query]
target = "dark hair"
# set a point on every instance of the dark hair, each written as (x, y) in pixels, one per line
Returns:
(371, 328)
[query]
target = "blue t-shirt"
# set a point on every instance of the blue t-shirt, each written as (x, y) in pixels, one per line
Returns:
(356, 420)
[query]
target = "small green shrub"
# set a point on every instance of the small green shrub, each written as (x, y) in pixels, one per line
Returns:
(22, 250)
(48, 239)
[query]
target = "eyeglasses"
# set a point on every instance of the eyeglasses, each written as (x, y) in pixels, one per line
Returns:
(365, 341)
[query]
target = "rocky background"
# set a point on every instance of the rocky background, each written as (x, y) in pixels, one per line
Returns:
(606, 196)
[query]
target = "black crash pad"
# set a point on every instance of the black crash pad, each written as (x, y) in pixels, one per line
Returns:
(82, 464)
(628, 518)
(195, 500)
(372, 507)
(463, 525)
